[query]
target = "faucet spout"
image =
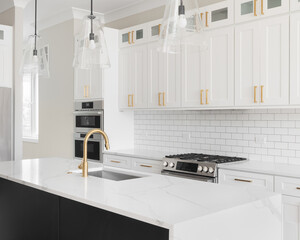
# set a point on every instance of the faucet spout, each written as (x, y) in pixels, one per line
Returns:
(84, 164)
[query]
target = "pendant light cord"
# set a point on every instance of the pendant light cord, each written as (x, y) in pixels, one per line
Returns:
(92, 16)
(35, 29)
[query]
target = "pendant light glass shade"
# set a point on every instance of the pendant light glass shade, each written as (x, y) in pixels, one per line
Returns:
(91, 49)
(35, 58)
(183, 25)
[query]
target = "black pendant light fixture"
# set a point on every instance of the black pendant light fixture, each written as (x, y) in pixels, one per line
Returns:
(91, 50)
(35, 61)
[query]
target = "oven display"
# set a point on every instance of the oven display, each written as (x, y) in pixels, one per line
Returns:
(88, 121)
(87, 105)
(187, 167)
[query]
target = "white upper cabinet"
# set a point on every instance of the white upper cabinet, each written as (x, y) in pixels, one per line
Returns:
(262, 63)
(194, 75)
(220, 68)
(246, 10)
(295, 59)
(133, 36)
(133, 77)
(154, 29)
(274, 63)
(219, 14)
(295, 5)
(6, 56)
(163, 78)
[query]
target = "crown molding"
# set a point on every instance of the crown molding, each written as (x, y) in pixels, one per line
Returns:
(135, 8)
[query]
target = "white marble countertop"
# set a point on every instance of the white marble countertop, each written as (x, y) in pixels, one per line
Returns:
(286, 170)
(156, 199)
(139, 153)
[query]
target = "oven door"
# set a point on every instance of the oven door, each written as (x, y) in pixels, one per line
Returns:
(86, 121)
(190, 176)
(94, 149)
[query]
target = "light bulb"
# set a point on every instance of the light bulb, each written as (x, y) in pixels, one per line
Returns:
(35, 59)
(182, 21)
(92, 44)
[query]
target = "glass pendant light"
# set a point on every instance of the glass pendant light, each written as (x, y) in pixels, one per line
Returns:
(91, 50)
(183, 25)
(35, 59)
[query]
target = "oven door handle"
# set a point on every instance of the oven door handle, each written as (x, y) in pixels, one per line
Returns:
(82, 113)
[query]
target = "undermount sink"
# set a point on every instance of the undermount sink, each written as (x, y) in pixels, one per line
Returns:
(112, 175)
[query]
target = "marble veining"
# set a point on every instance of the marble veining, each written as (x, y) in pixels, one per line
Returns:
(156, 199)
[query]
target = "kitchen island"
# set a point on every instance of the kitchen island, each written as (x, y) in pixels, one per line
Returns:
(45, 199)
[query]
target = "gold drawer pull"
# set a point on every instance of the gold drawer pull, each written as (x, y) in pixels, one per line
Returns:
(298, 188)
(115, 161)
(132, 103)
(262, 93)
(206, 19)
(159, 29)
(255, 90)
(201, 96)
(262, 7)
(164, 95)
(129, 101)
(159, 103)
(146, 166)
(132, 40)
(129, 42)
(242, 180)
(255, 8)
(206, 96)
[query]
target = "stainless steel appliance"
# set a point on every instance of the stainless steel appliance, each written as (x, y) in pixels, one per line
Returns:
(196, 166)
(89, 115)
(6, 152)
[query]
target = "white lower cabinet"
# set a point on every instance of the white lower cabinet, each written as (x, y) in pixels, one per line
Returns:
(133, 163)
(246, 179)
(262, 63)
(291, 218)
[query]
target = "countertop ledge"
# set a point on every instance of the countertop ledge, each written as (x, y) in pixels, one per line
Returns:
(138, 153)
(152, 199)
(277, 169)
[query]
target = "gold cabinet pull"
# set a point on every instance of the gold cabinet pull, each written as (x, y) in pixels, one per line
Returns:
(206, 96)
(255, 8)
(255, 90)
(262, 93)
(132, 97)
(206, 19)
(146, 166)
(242, 180)
(164, 96)
(159, 29)
(87, 91)
(115, 161)
(129, 42)
(129, 105)
(201, 96)
(132, 36)
(159, 94)
(262, 7)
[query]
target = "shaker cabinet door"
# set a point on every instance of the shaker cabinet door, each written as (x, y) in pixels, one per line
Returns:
(274, 84)
(291, 218)
(247, 64)
(295, 59)
(220, 75)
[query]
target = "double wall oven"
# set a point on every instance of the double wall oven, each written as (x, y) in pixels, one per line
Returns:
(88, 116)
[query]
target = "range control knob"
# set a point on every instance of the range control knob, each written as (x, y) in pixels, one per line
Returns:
(172, 165)
(200, 168)
(211, 170)
(166, 164)
(205, 169)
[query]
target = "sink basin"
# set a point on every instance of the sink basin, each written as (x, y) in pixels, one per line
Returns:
(112, 175)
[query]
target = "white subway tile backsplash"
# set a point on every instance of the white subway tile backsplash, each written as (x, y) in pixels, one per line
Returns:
(228, 132)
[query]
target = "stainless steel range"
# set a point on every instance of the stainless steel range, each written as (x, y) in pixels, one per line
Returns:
(196, 166)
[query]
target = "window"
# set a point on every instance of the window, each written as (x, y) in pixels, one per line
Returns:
(30, 108)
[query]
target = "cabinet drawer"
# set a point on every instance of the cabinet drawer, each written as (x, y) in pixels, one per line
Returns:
(246, 179)
(145, 165)
(287, 186)
(117, 161)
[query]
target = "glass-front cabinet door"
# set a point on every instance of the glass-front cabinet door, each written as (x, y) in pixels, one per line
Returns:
(274, 7)
(132, 36)
(154, 29)
(246, 10)
(295, 5)
(219, 14)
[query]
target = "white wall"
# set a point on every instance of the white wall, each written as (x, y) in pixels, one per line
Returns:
(224, 132)
(56, 96)
(118, 125)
